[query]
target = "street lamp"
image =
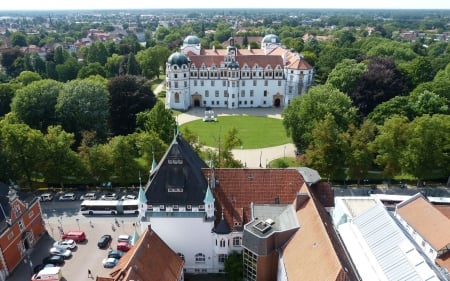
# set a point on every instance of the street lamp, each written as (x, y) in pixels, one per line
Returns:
(284, 157)
(78, 222)
(260, 156)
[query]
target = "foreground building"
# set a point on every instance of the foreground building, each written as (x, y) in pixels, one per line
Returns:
(21, 226)
(269, 215)
(232, 78)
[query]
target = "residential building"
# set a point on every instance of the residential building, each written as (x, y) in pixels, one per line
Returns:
(21, 226)
(150, 259)
(204, 214)
(234, 78)
(377, 245)
(429, 228)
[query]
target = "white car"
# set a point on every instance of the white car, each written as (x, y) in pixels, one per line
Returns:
(58, 251)
(68, 197)
(109, 196)
(128, 197)
(66, 244)
(88, 196)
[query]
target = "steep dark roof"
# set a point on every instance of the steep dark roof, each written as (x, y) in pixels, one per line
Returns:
(178, 178)
(222, 227)
(5, 208)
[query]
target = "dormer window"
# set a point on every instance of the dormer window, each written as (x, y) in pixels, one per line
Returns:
(162, 207)
(175, 208)
(150, 207)
(201, 207)
(188, 207)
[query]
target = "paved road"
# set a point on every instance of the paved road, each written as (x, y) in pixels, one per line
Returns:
(87, 255)
(252, 158)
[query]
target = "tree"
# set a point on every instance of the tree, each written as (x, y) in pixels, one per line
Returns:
(427, 147)
(159, 120)
(35, 104)
(358, 156)
(62, 163)
(234, 267)
(389, 145)
(346, 75)
(302, 114)
(60, 55)
(91, 69)
(9, 58)
(23, 149)
(112, 65)
(26, 77)
(6, 96)
(133, 67)
(124, 155)
(83, 106)
(380, 83)
(231, 141)
(129, 95)
(326, 150)
(18, 39)
(68, 70)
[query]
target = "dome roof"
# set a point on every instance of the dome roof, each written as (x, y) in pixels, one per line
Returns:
(178, 59)
(271, 38)
(191, 40)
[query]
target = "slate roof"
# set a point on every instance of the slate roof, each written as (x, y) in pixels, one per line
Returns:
(178, 178)
(150, 259)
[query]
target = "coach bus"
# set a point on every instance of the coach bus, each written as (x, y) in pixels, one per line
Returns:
(109, 207)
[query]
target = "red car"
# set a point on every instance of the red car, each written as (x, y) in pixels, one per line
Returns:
(123, 246)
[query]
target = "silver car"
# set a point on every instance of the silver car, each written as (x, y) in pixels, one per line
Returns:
(66, 244)
(58, 251)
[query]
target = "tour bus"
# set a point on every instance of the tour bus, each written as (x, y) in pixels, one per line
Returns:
(109, 207)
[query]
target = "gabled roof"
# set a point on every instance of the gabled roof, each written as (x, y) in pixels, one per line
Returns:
(178, 179)
(324, 257)
(236, 189)
(150, 259)
(426, 220)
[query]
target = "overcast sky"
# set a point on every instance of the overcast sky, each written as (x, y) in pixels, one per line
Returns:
(157, 4)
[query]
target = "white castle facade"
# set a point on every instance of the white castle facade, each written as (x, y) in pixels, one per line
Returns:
(233, 78)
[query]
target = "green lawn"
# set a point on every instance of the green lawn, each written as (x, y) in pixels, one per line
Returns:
(254, 131)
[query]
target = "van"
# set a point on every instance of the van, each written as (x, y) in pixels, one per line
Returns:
(124, 238)
(75, 235)
(46, 197)
(48, 274)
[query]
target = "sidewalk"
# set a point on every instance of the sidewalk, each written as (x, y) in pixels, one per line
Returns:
(251, 158)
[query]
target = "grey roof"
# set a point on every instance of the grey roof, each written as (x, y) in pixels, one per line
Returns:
(271, 38)
(310, 175)
(178, 178)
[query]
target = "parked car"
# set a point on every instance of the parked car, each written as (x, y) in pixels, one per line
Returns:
(109, 196)
(110, 262)
(128, 197)
(124, 238)
(66, 244)
(123, 246)
(115, 254)
(46, 197)
(58, 251)
(68, 197)
(53, 259)
(75, 235)
(89, 196)
(104, 241)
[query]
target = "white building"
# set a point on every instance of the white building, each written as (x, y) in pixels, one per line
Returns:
(233, 78)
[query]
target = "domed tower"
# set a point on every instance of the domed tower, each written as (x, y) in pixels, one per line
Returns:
(233, 69)
(270, 42)
(191, 44)
(177, 81)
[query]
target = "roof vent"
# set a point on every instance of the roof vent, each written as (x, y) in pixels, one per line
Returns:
(269, 221)
(262, 226)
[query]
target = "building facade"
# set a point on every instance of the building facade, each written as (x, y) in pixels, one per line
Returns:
(21, 226)
(232, 78)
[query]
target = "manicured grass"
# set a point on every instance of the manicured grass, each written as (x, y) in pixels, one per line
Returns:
(254, 131)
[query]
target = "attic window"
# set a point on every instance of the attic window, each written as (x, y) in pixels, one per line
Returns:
(188, 207)
(201, 207)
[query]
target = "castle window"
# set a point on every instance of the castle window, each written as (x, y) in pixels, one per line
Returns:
(199, 258)
(212, 83)
(184, 75)
(224, 83)
(254, 82)
(290, 89)
(217, 93)
(175, 75)
(225, 94)
(265, 93)
(242, 93)
(279, 82)
(175, 84)
(177, 97)
(185, 83)
(195, 82)
(243, 82)
(202, 83)
(206, 93)
(266, 83)
(251, 93)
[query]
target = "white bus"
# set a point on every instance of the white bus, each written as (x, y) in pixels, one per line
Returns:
(109, 207)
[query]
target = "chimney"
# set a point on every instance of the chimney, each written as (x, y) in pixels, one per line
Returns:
(300, 200)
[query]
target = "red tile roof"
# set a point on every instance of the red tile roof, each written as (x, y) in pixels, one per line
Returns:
(149, 259)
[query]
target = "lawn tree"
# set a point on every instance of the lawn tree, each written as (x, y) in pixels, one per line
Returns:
(427, 147)
(234, 267)
(389, 145)
(193, 139)
(346, 74)
(83, 105)
(124, 159)
(152, 60)
(302, 114)
(325, 152)
(35, 104)
(23, 149)
(129, 95)
(159, 120)
(231, 141)
(380, 83)
(358, 156)
(149, 145)
(62, 163)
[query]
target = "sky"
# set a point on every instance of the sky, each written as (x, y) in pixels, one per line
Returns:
(207, 4)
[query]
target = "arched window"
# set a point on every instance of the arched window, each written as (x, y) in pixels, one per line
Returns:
(199, 258)
(222, 243)
(177, 97)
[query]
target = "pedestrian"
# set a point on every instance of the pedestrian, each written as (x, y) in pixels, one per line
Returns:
(89, 274)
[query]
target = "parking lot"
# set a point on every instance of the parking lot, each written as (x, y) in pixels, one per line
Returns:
(65, 215)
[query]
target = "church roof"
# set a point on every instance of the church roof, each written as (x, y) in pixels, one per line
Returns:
(178, 179)
(222, 227)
